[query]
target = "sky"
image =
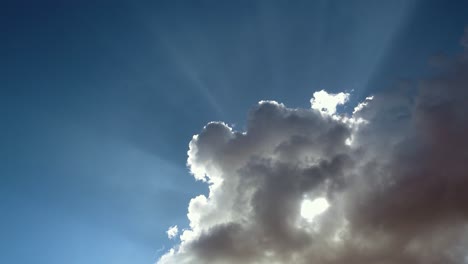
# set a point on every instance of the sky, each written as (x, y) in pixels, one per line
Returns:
(99, 101)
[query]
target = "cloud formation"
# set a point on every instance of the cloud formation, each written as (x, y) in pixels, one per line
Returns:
(172, 232)
(392, 174)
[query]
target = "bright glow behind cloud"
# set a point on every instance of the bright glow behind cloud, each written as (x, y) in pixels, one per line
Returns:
(311, 209)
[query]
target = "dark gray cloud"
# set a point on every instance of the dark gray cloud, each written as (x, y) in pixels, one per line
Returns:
(394, 174)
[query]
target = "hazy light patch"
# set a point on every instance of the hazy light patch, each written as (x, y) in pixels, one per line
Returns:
(311, 209)
(192, 74)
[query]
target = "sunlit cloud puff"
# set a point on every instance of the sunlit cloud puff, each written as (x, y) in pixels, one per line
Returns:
(384, 184)
(172, 232)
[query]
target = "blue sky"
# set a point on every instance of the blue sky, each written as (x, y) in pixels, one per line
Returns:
(99, 100)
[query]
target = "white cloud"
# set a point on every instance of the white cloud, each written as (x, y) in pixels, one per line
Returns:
(326, 103)
(172, 232)
(362, 105)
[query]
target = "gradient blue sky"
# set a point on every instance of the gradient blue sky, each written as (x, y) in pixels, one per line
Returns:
(99, 99)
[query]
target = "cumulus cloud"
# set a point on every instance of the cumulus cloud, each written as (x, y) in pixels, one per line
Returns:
(291, 188)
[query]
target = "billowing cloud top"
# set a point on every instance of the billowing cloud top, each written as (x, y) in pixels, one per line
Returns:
(386, 184)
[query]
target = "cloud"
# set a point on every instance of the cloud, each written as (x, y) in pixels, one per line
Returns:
(327, 103)
(396, 194)
(172, 232)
